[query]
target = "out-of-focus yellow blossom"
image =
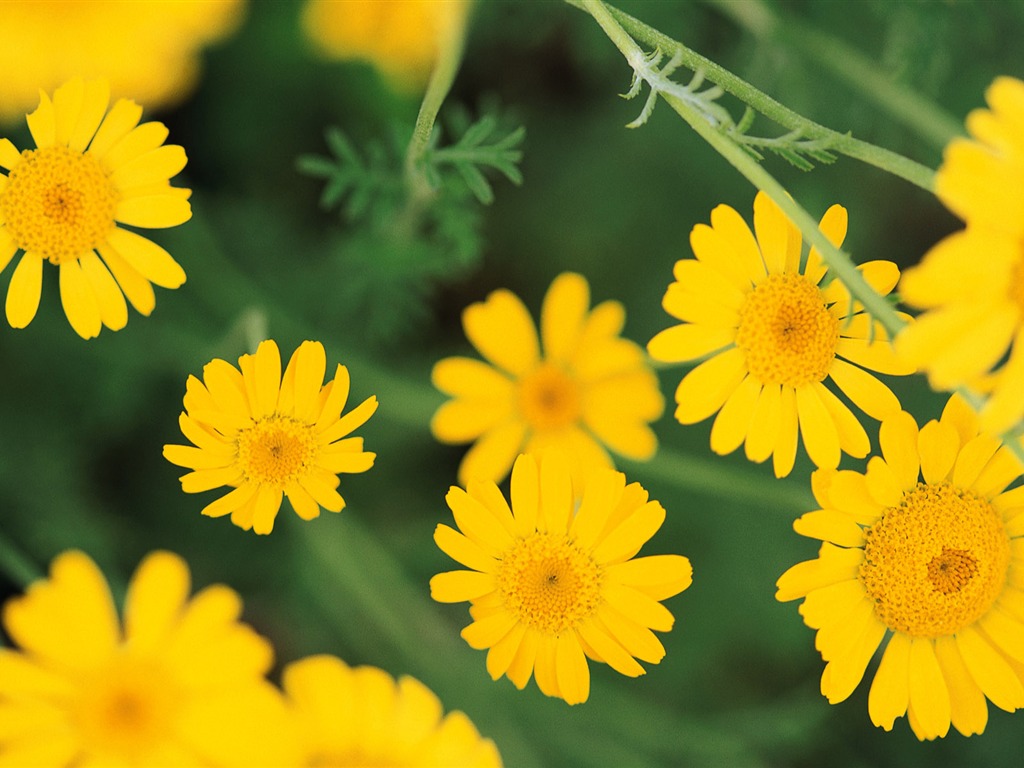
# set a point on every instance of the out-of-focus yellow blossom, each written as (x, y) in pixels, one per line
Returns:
(402, 38)
(146, 50)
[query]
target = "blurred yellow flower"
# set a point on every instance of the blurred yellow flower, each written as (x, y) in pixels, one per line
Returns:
(363, 716)
(402, 38)
(180, 683)
(971, 284)
(927, 548)
(550, 585)
(591, 387)
(772, 336)
(146, 50)
(267, 435)
(61, 202)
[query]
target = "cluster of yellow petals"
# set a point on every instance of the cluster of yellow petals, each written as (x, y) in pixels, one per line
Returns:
(969, 285)
(925, 547)
(92, 170)
(551, 584)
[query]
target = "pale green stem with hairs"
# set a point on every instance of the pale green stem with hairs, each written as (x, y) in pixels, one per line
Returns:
(615, 23)
(844, 62)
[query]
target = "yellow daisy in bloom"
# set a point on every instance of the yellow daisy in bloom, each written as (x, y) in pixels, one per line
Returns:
(971, 284)
(265, 434)
(179, 683)
(590, 388)
(550, 585)
(925, 548)
(364, 717)
(772, 335)
(402, 38)
(149, 51)
(61, 202)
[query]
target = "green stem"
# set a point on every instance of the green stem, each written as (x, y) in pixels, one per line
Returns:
(846, 63)
(17, 565)
(616, 23)
(838, 262)
(440, 84)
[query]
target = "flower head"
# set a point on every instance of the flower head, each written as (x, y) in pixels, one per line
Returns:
(266, 434)
(925, 548)
(590, 388)
(773, 335)
(148, 50)
(402, 38)
(971, 284)
(550, 585)
(179, 683)
(363, 716)
(61, 202)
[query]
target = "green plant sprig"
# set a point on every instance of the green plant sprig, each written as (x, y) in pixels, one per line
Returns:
(627, 31)
(470, 151)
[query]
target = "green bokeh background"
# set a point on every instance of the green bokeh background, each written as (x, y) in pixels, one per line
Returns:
(82, 423)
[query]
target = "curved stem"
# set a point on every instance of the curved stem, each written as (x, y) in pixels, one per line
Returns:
(612, 19)
(844, 62)
(441, 79)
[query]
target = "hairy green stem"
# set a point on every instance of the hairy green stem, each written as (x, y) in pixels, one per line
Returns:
(838, 262)
(844, 62)
(440, 83)
(624, 30)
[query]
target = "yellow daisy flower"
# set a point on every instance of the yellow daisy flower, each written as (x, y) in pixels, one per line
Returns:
(925, 548)
(971, 284)
(402, 38)
(550, 585)
(61, 202)
(149, 51)
(772, 335)
(179, 683)
(264, 435)
(363, 716)
(590, 389)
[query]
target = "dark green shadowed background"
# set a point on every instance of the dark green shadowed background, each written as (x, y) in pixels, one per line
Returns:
(82, 423)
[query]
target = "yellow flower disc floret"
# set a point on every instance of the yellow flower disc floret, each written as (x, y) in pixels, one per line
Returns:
(549, 584)
(58, 203)
(276, 450)
(937, 562)
(787, 332)
(549, 398)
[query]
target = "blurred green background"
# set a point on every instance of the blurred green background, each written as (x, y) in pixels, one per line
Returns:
(82, 423)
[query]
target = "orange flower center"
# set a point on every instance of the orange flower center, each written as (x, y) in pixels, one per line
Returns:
(936, 563)
(787, 332)
(549, 583)
(276, 450)
(58, 203)
(549, 398)
(128, 710)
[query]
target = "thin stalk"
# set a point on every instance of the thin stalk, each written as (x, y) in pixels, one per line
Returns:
(845, 144)
(844, 62)
(440, 83)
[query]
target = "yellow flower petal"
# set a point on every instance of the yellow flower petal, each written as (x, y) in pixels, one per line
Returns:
(562, 315)
(24, 291)
(867, 393)
(503, 332)
(705, 389)
(109, 299)
(156, 596)
(734, 420)
(820, 436)
(153, 211)
(929, 695)
(968, 710)
(890, 691)
(493, 454)
(682, 343)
